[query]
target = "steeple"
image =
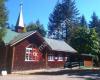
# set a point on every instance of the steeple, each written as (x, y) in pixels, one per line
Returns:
(20, 21)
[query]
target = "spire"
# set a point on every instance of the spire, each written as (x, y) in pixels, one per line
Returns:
(20, 21)
(20, 18)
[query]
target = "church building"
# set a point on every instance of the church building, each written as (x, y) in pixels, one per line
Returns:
(29, 50)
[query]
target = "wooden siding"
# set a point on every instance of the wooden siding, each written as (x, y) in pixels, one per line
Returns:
(16, 56)
(19, 58)
(88, 62)
(55, 64)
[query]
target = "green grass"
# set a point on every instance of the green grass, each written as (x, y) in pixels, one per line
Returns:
(89, 79)
(83, 67)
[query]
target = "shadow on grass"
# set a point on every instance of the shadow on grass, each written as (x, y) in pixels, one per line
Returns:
(89, 79)
(80, 73)
(69, 72)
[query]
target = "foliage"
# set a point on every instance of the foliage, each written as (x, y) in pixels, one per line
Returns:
(2, 33)
(36, 26)
(3, 19)
(66, 13)
(83, 22)
(69, 10)
(94, 22)
(85, 41)
(55, 18)
(3, 14)
(24, 30)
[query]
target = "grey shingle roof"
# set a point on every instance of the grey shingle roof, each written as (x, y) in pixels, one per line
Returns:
(13, 38)
(21, 37)
(59, 45)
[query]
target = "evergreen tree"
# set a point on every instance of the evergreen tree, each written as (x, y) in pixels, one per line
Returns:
(86, 41)
(66, 13)
(40, 28)
(98, 28)
(69, 10)
(94, 22)
(36, 26)
(3, 19)
(31, 27)
(83, 22)
(70, 16)
(55, 19)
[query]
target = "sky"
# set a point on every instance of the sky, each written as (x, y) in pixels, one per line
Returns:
(34, 10)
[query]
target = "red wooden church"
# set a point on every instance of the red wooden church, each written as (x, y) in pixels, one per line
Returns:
(29, 50)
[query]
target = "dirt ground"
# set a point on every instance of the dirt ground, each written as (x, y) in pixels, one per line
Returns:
(52, 74)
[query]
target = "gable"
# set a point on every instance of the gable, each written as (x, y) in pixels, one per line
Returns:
(21, 37)
(13, 38)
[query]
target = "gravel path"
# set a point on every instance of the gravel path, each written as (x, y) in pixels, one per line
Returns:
(49, 74)
(37, 77)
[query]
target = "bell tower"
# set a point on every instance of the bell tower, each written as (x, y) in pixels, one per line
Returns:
(20, 21)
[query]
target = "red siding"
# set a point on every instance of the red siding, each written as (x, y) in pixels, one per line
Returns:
(55, 64)
(19, 58)
(88, 62)
(19, 62)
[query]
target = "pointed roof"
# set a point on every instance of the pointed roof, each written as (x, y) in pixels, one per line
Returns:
(20, 21)
(56, 45)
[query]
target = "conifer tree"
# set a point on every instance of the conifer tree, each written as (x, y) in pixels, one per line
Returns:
(3, 19)
(69, 10)
(83, 22)
(86, 41)
(36, 26)
(55, 19)
(64, 12)
(94, 22)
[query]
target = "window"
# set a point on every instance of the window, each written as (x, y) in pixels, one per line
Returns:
(60, 57)
(31, 54)
(66, 58)
(50, 57)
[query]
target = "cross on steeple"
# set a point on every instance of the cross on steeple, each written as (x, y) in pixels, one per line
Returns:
(20, 21)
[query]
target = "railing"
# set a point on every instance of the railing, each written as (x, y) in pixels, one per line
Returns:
(72, 64)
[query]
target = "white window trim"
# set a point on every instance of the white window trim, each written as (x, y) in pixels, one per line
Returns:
(60, 57)
(51, 59)
(26, 53)
(66, 58)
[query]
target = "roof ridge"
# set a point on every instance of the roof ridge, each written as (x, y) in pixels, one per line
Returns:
(60, 45)
(54, 39)
(21, 36)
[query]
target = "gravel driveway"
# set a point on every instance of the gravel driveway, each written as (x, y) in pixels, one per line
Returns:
(49, 74)
(36, 77)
